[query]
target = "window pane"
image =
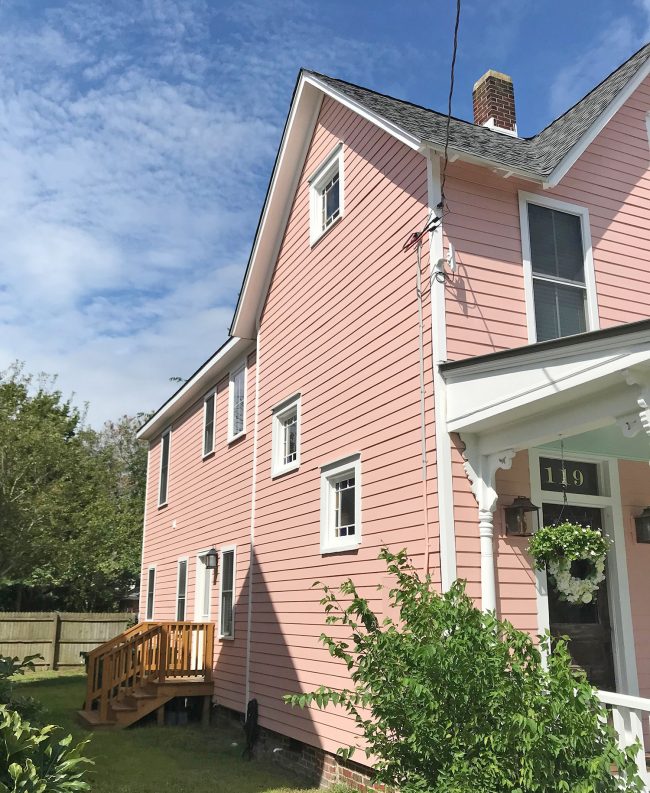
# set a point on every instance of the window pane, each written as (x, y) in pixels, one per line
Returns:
(164, 469)
(227, 571)
(331, 201)
(150, 592)
(227, 587)
(208, 435)
(226, 614)
(290, 439)
(345, 508)
(182, 587)
(559, 310)
(238, 402)
(207, 590)
(556, 243)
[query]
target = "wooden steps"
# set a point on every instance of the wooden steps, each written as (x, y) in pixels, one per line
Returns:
(143, 669)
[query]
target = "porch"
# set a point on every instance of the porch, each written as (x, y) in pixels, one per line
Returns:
(566, 424)
(143, 668)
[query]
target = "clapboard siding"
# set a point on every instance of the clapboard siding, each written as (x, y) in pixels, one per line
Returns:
(340, 327)
(209, 502)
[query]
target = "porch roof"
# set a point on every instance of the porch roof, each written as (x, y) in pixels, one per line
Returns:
(537, 393)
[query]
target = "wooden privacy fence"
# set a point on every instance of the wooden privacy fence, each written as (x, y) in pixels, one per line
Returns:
(59, 637)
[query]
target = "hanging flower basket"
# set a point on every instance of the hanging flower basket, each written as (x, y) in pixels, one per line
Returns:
(563, 548)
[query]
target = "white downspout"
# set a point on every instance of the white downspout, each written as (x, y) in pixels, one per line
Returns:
(439, 351)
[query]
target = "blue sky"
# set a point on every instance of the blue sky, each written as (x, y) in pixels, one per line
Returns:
(137, 140)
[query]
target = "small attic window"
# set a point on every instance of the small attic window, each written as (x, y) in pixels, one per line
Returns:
(326, 195)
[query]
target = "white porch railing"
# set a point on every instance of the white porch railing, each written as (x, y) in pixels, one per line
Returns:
(628, 715)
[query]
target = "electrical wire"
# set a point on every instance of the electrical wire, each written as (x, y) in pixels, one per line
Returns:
(442, 204)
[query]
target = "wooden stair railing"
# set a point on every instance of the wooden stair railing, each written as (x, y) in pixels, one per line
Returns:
(152, 652)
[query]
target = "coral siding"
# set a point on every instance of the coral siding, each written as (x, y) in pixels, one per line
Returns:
(485, 304)
(340, 327)
(209, 500)
(635, 491)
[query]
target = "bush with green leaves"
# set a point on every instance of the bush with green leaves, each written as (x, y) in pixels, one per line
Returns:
(35, 760)
(28, 707)
(451, 700)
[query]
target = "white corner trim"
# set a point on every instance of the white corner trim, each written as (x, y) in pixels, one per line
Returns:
(593, 319)
(330, 472)
(242, 365)
(447, 540)
(222, 550)
(279, 413)
(578, 148)
(253, 515)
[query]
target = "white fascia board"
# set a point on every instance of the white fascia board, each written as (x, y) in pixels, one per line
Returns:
(495, 165)
(480, 395)
(196, 386)
(578, 148)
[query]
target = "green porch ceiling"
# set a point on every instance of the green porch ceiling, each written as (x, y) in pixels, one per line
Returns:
(607, 441)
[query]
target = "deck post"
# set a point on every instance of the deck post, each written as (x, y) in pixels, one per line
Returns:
(205, 711)
(163, 651)
(160, 716)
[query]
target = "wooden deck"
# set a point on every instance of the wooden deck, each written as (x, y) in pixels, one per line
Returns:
(145, 667)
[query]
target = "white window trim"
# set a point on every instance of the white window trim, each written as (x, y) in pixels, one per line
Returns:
(280, 412)
(168, 431)
(222, 550)
(324, 172)
(148, 618)
(178, 584)
(212, 393)
(231, 400)
(198, 587)
(593, 322)
(329, 473)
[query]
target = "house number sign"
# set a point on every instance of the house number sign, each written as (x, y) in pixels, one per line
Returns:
(575, 477)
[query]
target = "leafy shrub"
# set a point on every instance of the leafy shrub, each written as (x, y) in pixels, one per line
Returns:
(33, 760)
(452, 700)
(28, 707)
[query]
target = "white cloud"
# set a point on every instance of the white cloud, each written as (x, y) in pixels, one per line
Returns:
(619, 38)
(136, 140)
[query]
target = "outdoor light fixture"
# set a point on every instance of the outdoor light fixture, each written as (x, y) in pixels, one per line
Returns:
(522, 518)
(211, 559)
(642, 523)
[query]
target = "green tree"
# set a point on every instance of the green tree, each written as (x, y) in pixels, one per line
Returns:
(71, 500)
(451, 700)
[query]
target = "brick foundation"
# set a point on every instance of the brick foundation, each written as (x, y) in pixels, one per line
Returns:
(313, 765)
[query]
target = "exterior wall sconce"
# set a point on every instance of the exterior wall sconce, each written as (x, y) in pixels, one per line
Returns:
(522, 518)
(211, 559)
(642, 523)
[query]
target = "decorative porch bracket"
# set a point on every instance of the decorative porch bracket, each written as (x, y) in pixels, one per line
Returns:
(481, 471)
(639, 421)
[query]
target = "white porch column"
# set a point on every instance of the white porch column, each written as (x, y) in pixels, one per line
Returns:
(481, 470)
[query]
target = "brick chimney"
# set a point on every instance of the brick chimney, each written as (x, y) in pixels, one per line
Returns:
(494, 102)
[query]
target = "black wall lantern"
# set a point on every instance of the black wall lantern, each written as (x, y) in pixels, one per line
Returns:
(211, 559)
(642, 523)
(522, 518)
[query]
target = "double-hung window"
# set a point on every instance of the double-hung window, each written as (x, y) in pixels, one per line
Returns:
(559, 269)
(326, 187)
(341, 505)
(226, 594)
(286, 436)
(209, 411)
(181, 591)
(151, 592)
(237, 403)
(165, 449)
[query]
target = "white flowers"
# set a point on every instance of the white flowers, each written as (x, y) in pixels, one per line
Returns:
(571, 588)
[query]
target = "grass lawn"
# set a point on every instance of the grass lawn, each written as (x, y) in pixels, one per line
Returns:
(157, 759)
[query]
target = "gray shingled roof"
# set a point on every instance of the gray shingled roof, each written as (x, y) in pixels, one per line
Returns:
(537, 156)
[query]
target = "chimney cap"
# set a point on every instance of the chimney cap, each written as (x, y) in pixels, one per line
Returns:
(492, 73)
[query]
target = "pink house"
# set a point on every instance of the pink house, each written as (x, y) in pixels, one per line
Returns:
(371, 397)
